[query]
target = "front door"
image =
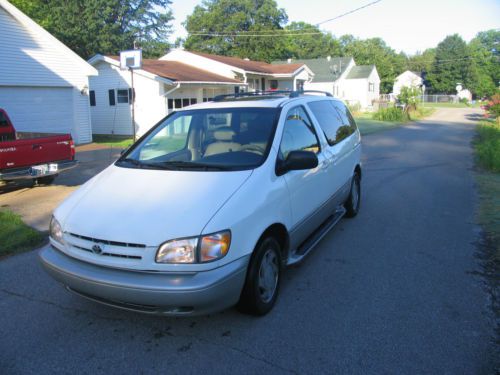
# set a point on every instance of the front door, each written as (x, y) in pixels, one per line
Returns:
(307, 190)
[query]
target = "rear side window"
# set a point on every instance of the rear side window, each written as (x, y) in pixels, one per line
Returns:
(333, 120)
(348, 125)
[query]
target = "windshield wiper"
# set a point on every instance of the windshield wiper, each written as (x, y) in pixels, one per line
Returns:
(137, 163)
(194, 165)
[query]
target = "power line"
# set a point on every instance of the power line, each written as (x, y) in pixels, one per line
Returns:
(280, 32)
(349, 12)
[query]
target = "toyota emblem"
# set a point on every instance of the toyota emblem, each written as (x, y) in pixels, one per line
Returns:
(96, 249)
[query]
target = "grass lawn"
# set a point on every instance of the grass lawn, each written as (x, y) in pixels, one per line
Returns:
(367, 125)
(15, 236)
(111, 140)
(487, 146)
(451, 105)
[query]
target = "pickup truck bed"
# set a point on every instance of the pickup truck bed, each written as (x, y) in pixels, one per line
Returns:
(33, 158)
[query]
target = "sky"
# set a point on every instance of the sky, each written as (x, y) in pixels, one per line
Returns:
(405, 25)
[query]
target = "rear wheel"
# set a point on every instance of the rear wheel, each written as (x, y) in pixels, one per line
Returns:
(263, 279)
(353, 202)
(47, 180)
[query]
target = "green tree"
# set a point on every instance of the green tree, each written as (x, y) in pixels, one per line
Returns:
(453, 64)
(484, 52)
(104, 26)
(421, 61)
(311, 44)
(222, 20)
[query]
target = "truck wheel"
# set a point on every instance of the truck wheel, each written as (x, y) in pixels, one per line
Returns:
(352, 203)
(263, 279)
(45, 180)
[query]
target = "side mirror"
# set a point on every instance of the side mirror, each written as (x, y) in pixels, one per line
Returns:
(297, 160)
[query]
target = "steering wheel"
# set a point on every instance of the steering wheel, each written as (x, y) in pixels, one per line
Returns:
(253, 148)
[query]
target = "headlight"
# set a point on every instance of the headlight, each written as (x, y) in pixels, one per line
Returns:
(56, 232)
(178, 251)
(214, 246)
(195, 249)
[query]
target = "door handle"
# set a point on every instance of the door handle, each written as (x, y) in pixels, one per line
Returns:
(36, 147)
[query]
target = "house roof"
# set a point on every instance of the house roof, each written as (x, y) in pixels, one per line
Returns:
(324, 70)
(35, 28)
(179, 72)
(253, 66)
(360, 71)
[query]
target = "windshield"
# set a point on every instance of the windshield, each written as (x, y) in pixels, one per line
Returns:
(207, 139)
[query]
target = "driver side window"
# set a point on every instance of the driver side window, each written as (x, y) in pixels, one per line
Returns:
(298, 133)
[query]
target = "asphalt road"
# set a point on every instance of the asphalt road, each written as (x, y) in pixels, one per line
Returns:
(393, 291)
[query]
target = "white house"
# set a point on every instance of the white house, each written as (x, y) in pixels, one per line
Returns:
(258, 75)
(43, 84)
(176, 80)
(160, 87)
(341, 77)
(407, 79)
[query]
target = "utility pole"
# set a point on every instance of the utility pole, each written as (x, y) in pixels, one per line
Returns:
(132, 98)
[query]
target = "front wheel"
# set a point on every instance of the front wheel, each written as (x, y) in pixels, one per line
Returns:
(263, 279)
(353, 202)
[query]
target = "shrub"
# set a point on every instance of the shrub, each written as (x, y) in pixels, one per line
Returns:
(464, 101)
(393, 114)
(488, 145)
(409, 96)
(493, 107)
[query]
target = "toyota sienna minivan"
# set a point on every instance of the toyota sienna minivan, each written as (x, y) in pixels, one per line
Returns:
(205, 210)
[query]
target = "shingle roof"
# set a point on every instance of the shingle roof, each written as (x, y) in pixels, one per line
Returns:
(176, 71)
(324, 70)
(253, 66)
(360, 71)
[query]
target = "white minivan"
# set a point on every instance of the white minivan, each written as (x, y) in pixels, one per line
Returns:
(205, 210)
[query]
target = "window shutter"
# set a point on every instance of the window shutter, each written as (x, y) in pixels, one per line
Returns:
(112, 100)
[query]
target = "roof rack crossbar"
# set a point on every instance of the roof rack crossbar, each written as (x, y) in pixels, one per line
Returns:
(290, 94)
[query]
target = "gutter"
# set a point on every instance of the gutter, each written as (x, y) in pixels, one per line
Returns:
(172, 90)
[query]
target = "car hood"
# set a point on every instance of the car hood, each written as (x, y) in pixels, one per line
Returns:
(147, 206)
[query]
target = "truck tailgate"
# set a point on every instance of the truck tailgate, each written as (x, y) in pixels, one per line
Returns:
(34, 151)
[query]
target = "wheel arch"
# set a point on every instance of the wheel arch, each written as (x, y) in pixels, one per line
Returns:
(357, 169)
(280, 233)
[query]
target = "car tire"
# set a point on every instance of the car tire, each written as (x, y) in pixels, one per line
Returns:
(263, 279)
(353, 202)
(45, 180)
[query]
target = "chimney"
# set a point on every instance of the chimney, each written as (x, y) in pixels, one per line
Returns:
(289, 61)
(328, 58)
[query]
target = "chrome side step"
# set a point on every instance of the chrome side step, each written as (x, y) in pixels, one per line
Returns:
(315, 237)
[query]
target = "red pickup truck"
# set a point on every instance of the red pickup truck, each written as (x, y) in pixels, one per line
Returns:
(39, 158)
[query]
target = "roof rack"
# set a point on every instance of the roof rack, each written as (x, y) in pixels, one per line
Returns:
(265, 94)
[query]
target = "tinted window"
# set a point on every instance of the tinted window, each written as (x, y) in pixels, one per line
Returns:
(346, 129)
(333, 119)
(298, 133)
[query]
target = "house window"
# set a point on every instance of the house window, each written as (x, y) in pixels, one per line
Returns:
(273, 84)
(122, 96)
(194, 100)
(185, 102)
(92, 98)
(371, 87)
(178, 103)
(111, 94)
(170, 103)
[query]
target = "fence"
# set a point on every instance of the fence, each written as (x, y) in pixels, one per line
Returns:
(423, 98)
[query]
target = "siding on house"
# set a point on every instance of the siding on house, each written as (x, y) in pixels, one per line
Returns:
(53, 80)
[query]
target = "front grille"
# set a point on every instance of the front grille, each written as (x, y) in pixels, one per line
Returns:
(106, 242)
(109, 254)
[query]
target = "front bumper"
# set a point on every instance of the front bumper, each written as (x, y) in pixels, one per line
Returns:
(27, 173)
(166, 293)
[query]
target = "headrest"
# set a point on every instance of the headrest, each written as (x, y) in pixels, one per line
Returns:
(224, 135)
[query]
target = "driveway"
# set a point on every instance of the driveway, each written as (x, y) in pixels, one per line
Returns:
(394, 291)
(35, 204)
